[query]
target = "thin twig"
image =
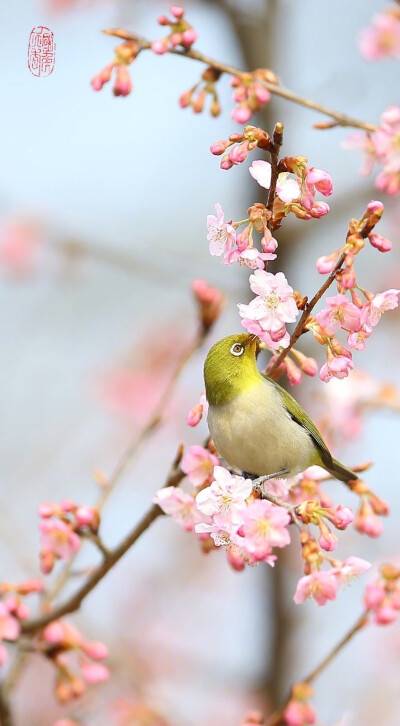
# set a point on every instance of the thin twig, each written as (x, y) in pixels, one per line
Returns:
(277, 140)
(276, 719)
(132, 449)
(340, 118)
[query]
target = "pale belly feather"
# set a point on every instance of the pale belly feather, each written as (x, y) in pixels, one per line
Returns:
(254, 433)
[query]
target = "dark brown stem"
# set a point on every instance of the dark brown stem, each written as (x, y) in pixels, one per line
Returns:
(6, 718)
(277, 140)
(276, 719)
(340, 118)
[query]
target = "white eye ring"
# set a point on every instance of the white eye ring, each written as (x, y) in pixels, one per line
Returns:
(237, 349)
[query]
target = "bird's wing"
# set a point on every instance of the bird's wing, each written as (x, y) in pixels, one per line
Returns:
(297, 413)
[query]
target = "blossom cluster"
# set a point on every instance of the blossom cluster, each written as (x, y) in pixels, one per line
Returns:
(226, 510)
(181, 32)
(381, 39)
(13, 610)
(381, 147)
(356, 315)
(62, 526)
(250, 93)
(274, 306)
(75, 658)
(125, 54)
(295, 195)
(382, 597)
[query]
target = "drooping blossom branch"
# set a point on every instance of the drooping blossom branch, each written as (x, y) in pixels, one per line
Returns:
(113, 556)
(340, 119)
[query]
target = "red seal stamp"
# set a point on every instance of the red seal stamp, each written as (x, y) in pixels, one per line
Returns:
(41, 51)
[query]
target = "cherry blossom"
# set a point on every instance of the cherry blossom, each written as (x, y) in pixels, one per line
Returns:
(336, 367)
(382, 597)
(339, 313)
(377, 305)
(197, 411)
(274, 305)
(179, 505)
(221, 235)
(321, 585)
(199, 464)
(264, 527)
(381, 40)
(226, 496)
(58, 540)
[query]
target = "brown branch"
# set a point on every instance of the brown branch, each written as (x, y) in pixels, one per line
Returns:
(276, 719)
(5, 710)
(277, 141)
(340, 118)
(74, 602)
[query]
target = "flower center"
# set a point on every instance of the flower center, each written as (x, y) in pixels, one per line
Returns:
(272, 301)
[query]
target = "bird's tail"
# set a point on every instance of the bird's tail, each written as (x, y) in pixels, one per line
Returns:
(342, 472)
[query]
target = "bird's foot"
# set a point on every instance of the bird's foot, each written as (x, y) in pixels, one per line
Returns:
(260, 481)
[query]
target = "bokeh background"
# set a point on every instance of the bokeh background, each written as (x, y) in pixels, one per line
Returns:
(111, 196)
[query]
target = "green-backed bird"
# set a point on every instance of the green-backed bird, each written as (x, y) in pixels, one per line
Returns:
(256, 425)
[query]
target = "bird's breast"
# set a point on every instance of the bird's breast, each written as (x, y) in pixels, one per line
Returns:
(254, 433)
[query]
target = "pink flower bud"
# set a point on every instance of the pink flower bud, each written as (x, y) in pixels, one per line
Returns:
(374, 594)
(97, 650)
(219, 147)
(22, 611)
(195, 415)
(175, 39)
(375, 207)
(54, 632)
(262, 94)
(123, 83)
(185, 99)
(326, 263)
(47, 509)
(321, 180)
(162, 20)
(85, 516)
(367, 522)
(234, 559)
(177, 11)
(319, 209)
(95, 672)
(226, 163)
(47, 560)
(239, 153)
(343, 517)
(159, 46)
(67, 505)
(380, 243)
(241, 114)
(385, 615)
(293, 372)
(189, 37)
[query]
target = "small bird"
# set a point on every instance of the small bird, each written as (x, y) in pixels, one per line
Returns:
(256, 425)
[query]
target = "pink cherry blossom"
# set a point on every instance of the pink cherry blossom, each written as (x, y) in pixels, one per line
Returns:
(254, 327)
(367, 521)
(274, 305)
(381, 39)
(337, 367)
(339, 313)
(264, 527)
(221, 235)
(287, 188)
(250, 257)
(219, 530)
(261, 172)
(226, 496)
(179, 505)
(351, 567)
(356, 341)
(321, 585)
(379, 304)
(199, 464)
(326, 263)
(94, 672)
(59, 538)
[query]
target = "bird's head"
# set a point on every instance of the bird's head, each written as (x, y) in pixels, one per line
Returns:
(230, 367)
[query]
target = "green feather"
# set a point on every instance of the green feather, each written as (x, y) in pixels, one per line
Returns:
(298, 414)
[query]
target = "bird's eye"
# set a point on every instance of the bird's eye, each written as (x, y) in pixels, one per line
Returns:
(237, 349)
